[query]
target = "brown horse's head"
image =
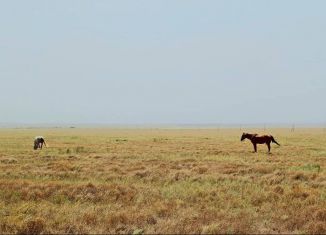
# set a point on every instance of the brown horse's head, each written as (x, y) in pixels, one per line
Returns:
(244, 135)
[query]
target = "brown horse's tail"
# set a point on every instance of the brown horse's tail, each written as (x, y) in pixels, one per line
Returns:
(274, 141)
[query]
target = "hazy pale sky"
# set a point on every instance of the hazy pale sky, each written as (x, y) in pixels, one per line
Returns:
(171, 61)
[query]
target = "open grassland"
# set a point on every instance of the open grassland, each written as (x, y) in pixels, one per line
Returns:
(161, 181)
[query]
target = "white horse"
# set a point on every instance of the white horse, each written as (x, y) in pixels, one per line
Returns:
(38, 142)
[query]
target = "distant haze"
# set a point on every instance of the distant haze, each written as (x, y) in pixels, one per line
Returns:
(163, 62)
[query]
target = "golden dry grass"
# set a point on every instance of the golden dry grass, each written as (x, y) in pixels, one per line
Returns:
(161, 181)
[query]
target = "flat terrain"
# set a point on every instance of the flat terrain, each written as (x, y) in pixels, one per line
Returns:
(162, 181)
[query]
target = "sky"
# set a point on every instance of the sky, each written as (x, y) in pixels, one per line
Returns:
(162, 62)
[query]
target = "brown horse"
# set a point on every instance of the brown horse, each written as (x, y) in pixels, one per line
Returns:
(256, 139)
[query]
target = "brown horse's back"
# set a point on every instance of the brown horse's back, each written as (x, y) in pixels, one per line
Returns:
(261, 139)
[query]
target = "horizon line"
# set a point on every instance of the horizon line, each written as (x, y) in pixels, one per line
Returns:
(162, 125)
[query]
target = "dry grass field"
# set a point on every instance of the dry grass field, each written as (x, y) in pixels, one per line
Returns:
(162, 181)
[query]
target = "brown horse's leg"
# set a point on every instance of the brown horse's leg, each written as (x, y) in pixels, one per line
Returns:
(255, 147)
(269, 146)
